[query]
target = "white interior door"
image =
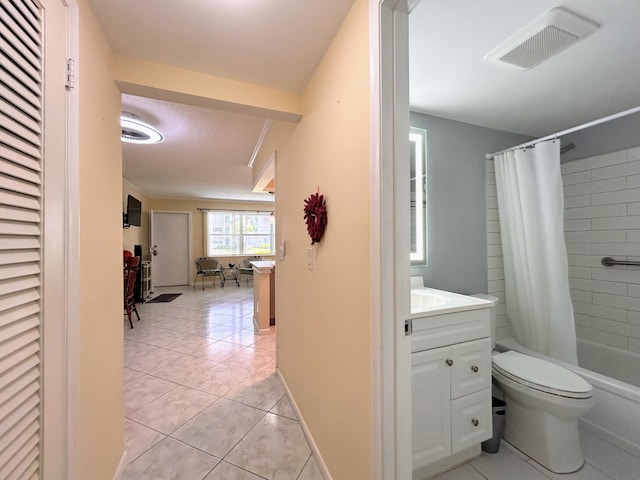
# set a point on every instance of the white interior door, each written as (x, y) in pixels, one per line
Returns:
(171, 248)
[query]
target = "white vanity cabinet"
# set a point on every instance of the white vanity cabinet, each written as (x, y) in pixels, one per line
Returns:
(451, 389)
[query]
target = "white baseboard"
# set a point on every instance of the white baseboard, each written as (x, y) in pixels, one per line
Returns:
(312, 444)
(121, 466)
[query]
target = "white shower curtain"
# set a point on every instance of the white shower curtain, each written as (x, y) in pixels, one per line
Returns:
(531, 207)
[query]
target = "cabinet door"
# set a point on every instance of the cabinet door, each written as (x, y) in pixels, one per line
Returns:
(471, 420)
(431, 406)
(471, 369)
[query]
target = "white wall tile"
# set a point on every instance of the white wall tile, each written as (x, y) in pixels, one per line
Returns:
(633, 154)
(619, 210)
(578, 225)
(495, 274)
(616, 274)
(611, 249)
(494, 250)
(620, 196)
(598, 236)
(605, 338)
(633, 181)
(493, 226)
(600, 186)
(634, 290)
(617, 301)
(578, 177)
(578, 248)
(579, 272)
(496, 286)
(585, 261)
(620, 223)
(619, 328)
(634, 345)
(633, 235)
(583, 320)
(581, 296)
(620, 170)
(579, 201)
(610, 313)
(634, 208)
(598, 286)
(495, 262)
(633, 317)
(595, 162)
(492, 214)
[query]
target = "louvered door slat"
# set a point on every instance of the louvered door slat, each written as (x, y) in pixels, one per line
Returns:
(20, 434)
(17, 200)
(21, 57)
(19, 284)
(19, 102)
(22, 92)
(20, 116)
(22, 44)
(25, 39)
(18, 214)
(12, 257)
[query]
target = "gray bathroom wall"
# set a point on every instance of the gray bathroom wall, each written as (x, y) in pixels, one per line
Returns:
(608, 137)
(457, 239)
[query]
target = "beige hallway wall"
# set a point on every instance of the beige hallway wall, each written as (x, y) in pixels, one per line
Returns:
(323, 315)
(100, 390)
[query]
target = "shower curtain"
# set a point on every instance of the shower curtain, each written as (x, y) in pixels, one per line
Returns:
(531, 208)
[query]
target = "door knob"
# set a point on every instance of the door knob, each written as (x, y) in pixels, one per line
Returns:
(474, 368)
(448, 361)
(475, 422)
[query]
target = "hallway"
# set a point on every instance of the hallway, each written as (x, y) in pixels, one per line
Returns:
(202, 400)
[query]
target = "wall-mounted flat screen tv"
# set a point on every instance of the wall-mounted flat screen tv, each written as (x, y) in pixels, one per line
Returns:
(134, 211)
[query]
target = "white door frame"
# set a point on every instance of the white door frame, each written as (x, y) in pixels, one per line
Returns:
(189, 240)
(390, 268)
(61, 284)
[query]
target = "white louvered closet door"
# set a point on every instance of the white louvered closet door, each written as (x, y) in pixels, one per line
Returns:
(20, 238)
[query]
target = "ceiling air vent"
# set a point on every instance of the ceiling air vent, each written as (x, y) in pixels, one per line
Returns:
(541, 39)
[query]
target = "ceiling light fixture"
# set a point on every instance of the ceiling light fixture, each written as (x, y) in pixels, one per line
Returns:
(135, 131)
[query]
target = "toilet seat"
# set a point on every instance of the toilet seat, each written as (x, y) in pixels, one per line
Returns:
(541, 375)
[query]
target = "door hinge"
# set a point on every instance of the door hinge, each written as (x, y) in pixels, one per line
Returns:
(69, 81)
(408, 328)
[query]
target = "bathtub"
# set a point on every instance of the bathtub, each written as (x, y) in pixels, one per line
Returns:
(616, 414)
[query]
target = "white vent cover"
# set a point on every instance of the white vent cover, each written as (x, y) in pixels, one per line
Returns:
(541, 39)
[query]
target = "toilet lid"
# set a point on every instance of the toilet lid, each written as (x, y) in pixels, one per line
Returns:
(541, 375)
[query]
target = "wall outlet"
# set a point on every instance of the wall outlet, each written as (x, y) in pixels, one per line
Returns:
(310, 258)
(282, 249)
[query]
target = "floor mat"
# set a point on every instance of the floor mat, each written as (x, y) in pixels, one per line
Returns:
(164, 298)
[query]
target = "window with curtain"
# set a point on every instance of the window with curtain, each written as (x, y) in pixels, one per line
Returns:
(230, 233)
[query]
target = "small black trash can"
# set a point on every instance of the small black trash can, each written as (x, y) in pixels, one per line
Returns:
(499, 408)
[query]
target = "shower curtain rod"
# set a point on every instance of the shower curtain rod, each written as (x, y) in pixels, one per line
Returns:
(593, 123)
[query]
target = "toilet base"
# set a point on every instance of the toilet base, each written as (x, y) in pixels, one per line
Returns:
(551, 440)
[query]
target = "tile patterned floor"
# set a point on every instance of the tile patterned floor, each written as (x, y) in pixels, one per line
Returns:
(603, 461)
(202, 401)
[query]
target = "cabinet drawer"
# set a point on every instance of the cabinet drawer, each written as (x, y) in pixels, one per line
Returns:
(471, 369)
(471, 420)
(441, 330)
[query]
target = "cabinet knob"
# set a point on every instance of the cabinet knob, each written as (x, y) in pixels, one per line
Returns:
(448, 361)
(475, 422)
(474, 368)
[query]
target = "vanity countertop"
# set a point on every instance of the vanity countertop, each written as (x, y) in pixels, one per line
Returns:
(426, 302)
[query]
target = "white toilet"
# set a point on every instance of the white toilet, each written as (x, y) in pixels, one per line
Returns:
(544, 401)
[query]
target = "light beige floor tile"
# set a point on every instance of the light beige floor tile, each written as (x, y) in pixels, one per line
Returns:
(130, 375)
(138, 439)
(154, 360)
(587, 472)
(226, 471)
(144, 390)
(220, 350)
(219, 379)
(311, 470)
(243, 337)
(283, 407)
(172, 410)
(184, 368)
(190, 344)
(275, 448)
(266, 342)
(219, 427)
(171, 460)
(251, 358)
(259, 391)
(505, 465)
(464, 472)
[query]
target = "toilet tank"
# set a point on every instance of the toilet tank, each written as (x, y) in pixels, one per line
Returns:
(485, 296)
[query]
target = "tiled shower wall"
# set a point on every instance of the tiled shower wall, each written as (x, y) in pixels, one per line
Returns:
(602, 218)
